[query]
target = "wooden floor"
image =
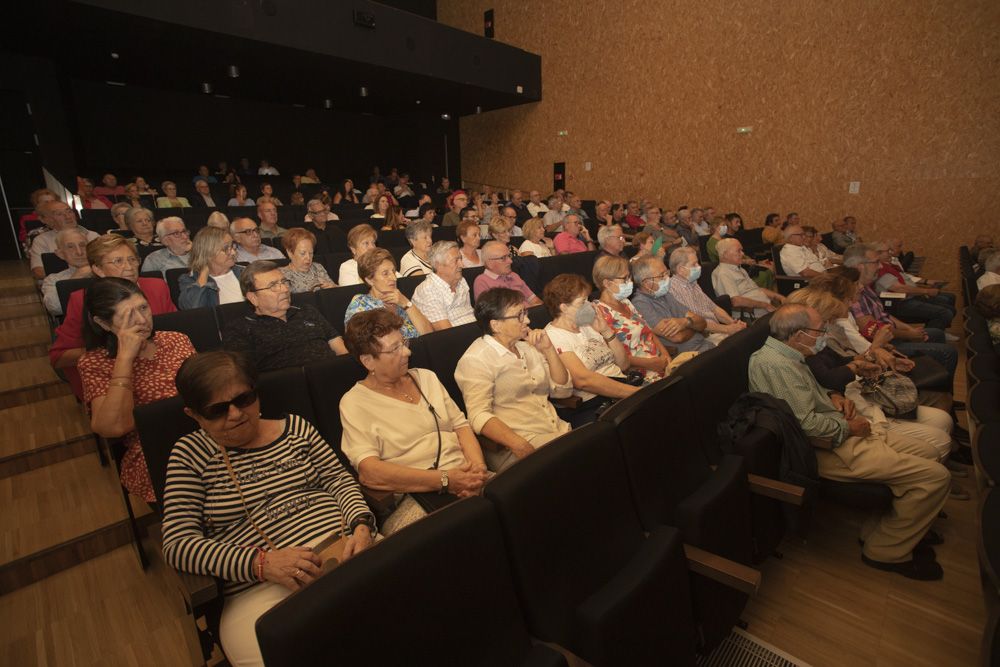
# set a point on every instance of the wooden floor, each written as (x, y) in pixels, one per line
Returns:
(818, 603)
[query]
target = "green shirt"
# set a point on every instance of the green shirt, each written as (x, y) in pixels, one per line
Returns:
(780, 371)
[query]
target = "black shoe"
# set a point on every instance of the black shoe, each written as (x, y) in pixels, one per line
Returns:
(917, 568)
(961, 455)
(930, 538)
(957, 405)
(960, 435)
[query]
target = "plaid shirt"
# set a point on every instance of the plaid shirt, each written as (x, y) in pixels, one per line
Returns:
(437, 302)
(693, 298)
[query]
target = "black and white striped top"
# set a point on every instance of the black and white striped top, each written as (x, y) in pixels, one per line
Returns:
(295, 487)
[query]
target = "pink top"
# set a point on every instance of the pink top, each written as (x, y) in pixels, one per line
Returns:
(565, 244)
(488, 280)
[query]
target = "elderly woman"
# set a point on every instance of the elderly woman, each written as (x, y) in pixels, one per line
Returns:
(126, 365)
(535, 242)
(218, 220)
(170, 198)
(109, 256)
(118, 215)
(469, 239)
(457, 201)
(988, 305)
(378, 269)
(402, 431)
(247, 499)
(214, 278)
(345, 193)
(140, 222)
(646, 352)
(589, 349)
(506, 378)
(240, 197)
(302, 273)
(360, 240)
(499, 228)
(644, 242)
(415, 262)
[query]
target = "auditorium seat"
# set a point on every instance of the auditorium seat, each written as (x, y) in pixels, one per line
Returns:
(587, 575)
(333, 302)
(284, 392)
(198, 324)
(439, 592)
(173, 282)
(784, 283)
(53, 263)
(445, 348)
(328, 381)
(580, 263)
(227, 312)
(64, 288)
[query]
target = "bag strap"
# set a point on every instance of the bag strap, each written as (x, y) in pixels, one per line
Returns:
(437, 424)
(243, 500)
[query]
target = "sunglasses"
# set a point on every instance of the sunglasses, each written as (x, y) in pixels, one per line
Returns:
(220, 410)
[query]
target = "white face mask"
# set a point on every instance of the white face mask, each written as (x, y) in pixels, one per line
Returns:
(662, 287)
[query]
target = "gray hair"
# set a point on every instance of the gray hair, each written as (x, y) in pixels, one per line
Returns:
(606, 232)
(439, 252)
(161, 225)
(63, 233)
(878, 246)
(314, 201)
(680, 257)
(232, 224)
(725, 245)
(644, 268)
(788, 320)
(855, 254)
(790, 229)
(553, 202)
(120, 206)
(415, 228)
(207, 242)
(134, 211)
(992, 262)
(252, 270)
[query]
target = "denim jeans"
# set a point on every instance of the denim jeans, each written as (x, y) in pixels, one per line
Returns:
(918, 309)
(934, 347)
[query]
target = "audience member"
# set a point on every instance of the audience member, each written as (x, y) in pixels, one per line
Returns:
(360, 240)
(443, 296)
(498, 273)
(71, 247)
(118, 215)
(611, 240)
(267, 194)
(991, 271)
(345, 194)
(814, 242)
(927, 305)
(249, 247)
(685, 289)
(633, 217)
(796, 258)
(329, 238)
(507, 377)
(844, 234)
(415, 261)
(573, 238)
(37, 198)
(142, 187)
(719, 230)
(126, 365)
(267, 214)
(203, 195)
(457, 201)
(109, 186)
(214, 278)
(535, 243)
(85, 192)
(988, 305)
(669, 319)
(772, 230)
(266, 169)
(555, 216)
(848, 449)
(170, 198)
(378, 269)
(204, 176)
(500, 230)
(56, 216)
(517, 203)
(731, 279)
(468, 236)
(380, 208)
(391, 437)
(240, 197)
(172, 233)
(685, 227)
(218, 220)
(536, 207)
(232, 508)
(302, 273)
(140, 223)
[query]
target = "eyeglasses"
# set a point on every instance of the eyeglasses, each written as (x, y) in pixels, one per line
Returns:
(228, 248)
(523, 316)
(501, 258)
(220, 410)
(396, 349)
(122, 261)
(277, 286)
(252, 231)
(819, 331)
(182, 232)
(625, 277)
(659, 277)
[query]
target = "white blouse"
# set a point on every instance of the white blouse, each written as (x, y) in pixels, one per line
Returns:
(539, 249)
(590, 348)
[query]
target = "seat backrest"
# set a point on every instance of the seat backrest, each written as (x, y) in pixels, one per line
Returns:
(161, 424)
(64, 288)
(333, 302)
(302, 299)
(53, 263)
(470, 276)
(227, 312)
(332, 261)
(568, 523)
(173, 282)
(285, 391)
(444, 349)
(776, 258)
(409, 284)
(453, 563)
(539, 317)
(328, 382)
(197, 324)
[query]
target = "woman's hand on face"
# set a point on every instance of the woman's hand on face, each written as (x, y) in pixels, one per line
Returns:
(130, 342)
(358, 542)
(293, 567)
(392, 297)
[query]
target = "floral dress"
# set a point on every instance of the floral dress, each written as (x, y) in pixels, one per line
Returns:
(633, 332)
(363, 302)
(152, 380)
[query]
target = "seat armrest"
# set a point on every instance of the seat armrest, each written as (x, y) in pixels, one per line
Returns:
(570, 402)
(197, 589)
(772, 488)
(727, 572)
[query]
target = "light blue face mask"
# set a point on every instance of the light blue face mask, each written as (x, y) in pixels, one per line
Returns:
(585, 314)
(820, 344)
(663, 287)
(694, 273)
(624, 290)
(723, 230)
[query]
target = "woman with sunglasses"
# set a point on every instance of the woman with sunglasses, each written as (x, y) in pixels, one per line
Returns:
(402, 431)
(126, 365)
(215, 277)
(247, 499)
(507, 377)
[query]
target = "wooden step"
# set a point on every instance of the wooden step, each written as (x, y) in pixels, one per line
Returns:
(29, 381)
(24, 343)
(23, 315)
(42, 433)
(17, 294)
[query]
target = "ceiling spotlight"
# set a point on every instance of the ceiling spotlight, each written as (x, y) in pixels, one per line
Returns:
(114, 55)
(479, 109)
(418, 101)
(328, 103)
(206, 88)
(233, 71)
(364, 91)
(445, 116)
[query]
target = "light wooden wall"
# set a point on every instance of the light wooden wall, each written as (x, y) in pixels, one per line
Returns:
(901, 95)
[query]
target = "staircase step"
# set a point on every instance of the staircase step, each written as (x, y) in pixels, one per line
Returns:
(59, 430)
(17, 294)
(29, 381)
(25, 314)
(24, 343)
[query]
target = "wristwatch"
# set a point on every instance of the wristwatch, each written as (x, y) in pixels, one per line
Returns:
(364, 520)
(690, 321)
(609, 337)
(444, 483)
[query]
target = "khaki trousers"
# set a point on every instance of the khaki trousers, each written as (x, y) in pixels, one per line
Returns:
(920, 486)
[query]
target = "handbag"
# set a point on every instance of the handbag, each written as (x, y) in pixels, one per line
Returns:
(894, 393)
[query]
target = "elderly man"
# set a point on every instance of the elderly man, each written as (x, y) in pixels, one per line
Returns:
(575, 206)
(928, 305)
(248, 245)
(685, 289)
(685, 227)
(699, 223)
(991, 275)
(611, 240)
(88, 199)
(517, 203)
(109, 186)
(871, 316)
(203, 194)
(796, 258)
(553, 219)
(602, 212)
(498, 273)
(535, 204)
(849, 449)
(675, 324)
(57, 216)
(329, 238)
(844, 234)
(443, 296)
(510, 215)
(573, 238)
(277, 334)
(174, 235)
(71, 246)
(731, 279)
(267, 215)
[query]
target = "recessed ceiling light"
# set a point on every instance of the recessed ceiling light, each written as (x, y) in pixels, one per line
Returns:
(233, 71)
(364, 91)
(115, 55)
(418, 101)
(445, 116)
(327, 103)
(479, 109)
(206, 88)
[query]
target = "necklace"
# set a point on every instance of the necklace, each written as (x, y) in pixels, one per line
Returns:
(388, 389)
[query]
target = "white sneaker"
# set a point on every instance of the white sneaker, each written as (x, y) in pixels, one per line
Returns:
(951, 338)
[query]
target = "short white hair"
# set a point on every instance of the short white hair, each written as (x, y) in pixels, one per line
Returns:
(62, 235)
(439, 252)
(680, 257)
(161, 225)
(606, 232)
(725, 245)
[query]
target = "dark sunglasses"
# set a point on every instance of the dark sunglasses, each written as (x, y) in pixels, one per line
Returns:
(220, 410)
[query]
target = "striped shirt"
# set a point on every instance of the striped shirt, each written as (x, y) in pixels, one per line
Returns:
(296, 490)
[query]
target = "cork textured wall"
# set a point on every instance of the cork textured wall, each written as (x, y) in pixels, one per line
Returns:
(900, 95)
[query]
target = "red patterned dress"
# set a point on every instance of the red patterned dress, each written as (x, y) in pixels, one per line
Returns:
(152, 380)
(633, 332)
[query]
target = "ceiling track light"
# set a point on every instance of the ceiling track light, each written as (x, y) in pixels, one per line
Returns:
(327, 103)
(206, 88)
(479, 109)
(364, 91)
(233, 71)
(445, 116)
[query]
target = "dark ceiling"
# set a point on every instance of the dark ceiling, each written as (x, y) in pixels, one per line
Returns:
(92, 43)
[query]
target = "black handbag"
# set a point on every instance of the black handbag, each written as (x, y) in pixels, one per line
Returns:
(928, 373)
